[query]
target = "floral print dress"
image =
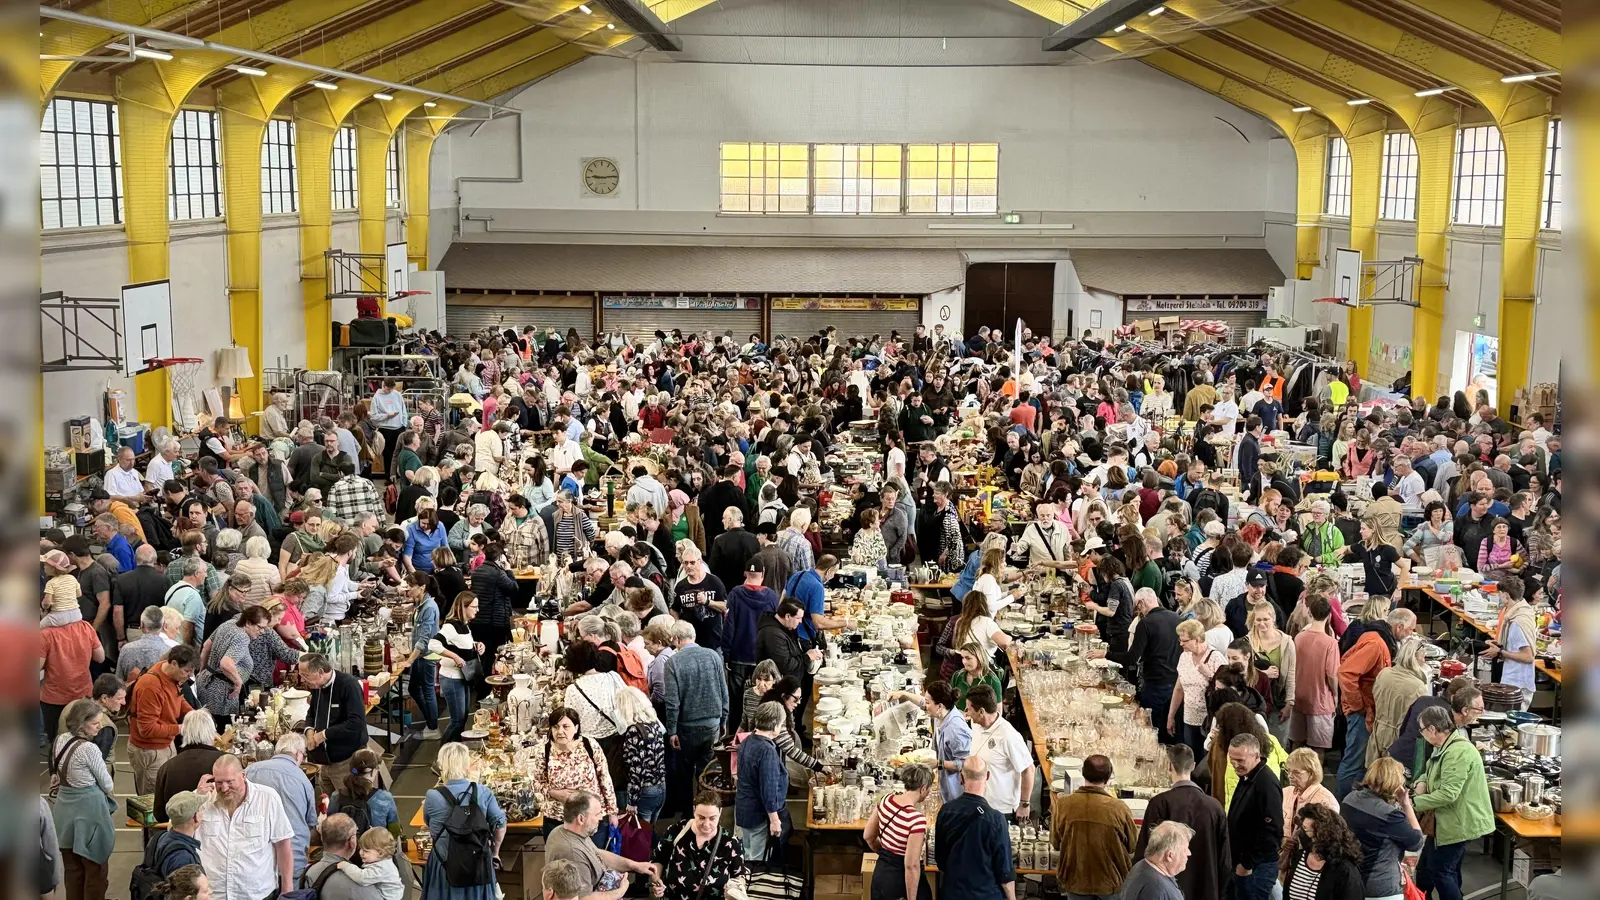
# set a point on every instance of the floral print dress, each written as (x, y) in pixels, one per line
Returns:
(582, 768)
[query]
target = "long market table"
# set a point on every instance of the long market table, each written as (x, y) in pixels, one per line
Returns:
(1515, 828)
(1408, 582)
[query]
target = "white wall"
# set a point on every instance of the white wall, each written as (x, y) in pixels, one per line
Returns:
(952, 301)
(1389, 356)
(283, 336)
(1556, 342)
(1473, 273)
(1119, 136)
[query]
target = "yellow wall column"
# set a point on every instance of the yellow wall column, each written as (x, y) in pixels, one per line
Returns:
(1435, 162)
(1311, 155)
(376, 124)
(1366, 165)
(244, 106)
(1519, 269)
(317, 117)
(148, 98)
(420, 134)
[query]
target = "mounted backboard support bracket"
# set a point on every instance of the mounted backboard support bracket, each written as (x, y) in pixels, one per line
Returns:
(1379, 282)
(80, 333)
(352, 275)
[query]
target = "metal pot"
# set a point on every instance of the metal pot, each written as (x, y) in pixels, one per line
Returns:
(1539, 739)
(1533, 789)
(1505, 795)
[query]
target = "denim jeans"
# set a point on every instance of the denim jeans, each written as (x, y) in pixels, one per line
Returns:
(1353, 765)
(1158, 699)
(424, 673)
(456, 695)
(1439, 869)
(648, 801)
(1257, 885)
(759, 844)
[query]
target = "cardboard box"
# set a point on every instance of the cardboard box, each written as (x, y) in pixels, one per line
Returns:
(836, 864)
(1166, 323)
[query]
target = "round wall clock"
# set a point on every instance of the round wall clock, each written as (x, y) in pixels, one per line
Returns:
(601, 176)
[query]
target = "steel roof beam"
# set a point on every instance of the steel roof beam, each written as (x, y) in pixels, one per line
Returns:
(639, 19)
(1097, 22)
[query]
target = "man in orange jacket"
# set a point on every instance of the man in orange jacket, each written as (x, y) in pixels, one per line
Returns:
(1357, 671)
(155, 710)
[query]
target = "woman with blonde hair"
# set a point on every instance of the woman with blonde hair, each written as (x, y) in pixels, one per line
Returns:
(455, 766)
(1393, 692)
(1210, 616)
(1379, 813)
(1276, 681)
(317, 572)
(1198, 662)
(1303, 771)
(644, 755)
(975, 670)
(976, 626)
(991, 571)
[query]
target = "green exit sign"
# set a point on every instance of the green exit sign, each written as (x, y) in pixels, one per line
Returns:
(1477, 320)
(1012, 219)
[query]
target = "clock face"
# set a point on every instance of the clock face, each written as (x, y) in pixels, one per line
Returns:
(601, 176)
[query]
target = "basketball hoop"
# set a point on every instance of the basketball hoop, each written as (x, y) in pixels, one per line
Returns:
(183, 373)
(1340, 301)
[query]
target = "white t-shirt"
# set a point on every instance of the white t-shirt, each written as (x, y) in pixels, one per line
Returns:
(895, 466)
(1226, 414)
(999, 598)
(563, 455)
(236, 851)
(159, 472)
(983, 630)
(1513, 672)
(1007, 755)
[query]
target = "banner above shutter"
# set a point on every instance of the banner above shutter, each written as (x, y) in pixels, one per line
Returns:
(745, 270)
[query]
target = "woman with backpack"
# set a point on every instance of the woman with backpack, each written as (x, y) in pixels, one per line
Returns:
(569, 761)
(467, 827)
(360, 797)
(593, 694)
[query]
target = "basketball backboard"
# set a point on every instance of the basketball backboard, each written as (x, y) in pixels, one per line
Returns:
(146, 325)
(1346, 287)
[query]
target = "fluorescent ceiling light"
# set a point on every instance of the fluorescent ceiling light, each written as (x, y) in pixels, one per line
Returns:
(248, 70)
(1359, 101)
(1528, 76)
(380, 95)
(428, 104)
(1301, 109)
(583, 8)
(1120, 28)
(147, 53)
(611, 26)
(325, 86)
(1431, 92)
(1157, 11)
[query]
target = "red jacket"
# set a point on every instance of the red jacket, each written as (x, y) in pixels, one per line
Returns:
(1358, 670)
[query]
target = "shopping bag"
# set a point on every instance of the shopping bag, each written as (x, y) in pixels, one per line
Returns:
(636, 839)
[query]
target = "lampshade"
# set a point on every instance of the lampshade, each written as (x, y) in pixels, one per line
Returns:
(235, 408)
(234, 363)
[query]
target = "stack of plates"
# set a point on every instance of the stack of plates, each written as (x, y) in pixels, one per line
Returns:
(829, 706)
(831, 675)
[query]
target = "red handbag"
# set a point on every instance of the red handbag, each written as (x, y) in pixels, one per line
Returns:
(1412, 892)
(638, 839)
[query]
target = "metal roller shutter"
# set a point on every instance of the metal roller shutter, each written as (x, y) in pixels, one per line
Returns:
(462, 318)
(804, 322)
(640, 322)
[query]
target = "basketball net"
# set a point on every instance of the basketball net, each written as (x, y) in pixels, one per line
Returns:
(181, 380)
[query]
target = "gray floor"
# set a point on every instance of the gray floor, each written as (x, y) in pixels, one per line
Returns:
(414, 776)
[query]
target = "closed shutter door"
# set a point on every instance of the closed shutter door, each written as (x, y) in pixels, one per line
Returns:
(640, 323)
(1239, 323)
(462, 320)
(800, 323)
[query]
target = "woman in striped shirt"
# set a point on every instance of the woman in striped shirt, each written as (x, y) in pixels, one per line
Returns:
(897, 830)
(570, 520)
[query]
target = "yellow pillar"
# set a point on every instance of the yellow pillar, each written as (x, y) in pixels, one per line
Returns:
(317, 117)
(1435, 163)
(1366, 165)
(420, 133)
(1525, 150)
(376, 124)
(244, 106)
(1311, 154)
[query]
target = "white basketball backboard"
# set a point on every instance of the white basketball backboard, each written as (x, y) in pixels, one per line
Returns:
(1346, 287)
(146, 325)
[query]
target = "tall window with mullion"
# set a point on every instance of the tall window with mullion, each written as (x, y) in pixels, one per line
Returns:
(1552, 177)
(391, 173)
(1480, 184)
(344, 168)
(1399, 196)
(194, 167)
(952, 179)
(857, 179)
(280, 189)
(80, 165)
(1337, 202)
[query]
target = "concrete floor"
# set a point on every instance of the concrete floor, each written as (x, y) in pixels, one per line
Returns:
(413, 777)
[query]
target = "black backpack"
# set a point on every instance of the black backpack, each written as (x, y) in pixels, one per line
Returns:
(156, 530)
(470, 862)
(357, 811)
(146, 878)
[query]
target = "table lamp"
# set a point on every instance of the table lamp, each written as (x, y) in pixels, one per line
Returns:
(233, 363)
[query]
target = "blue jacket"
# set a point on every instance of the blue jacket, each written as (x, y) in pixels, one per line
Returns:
(421, 544)
(119, 547)
(426, 625)
(967, 578)
(172, 851)
(974, 849)
(763, 782)
(745, 608)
